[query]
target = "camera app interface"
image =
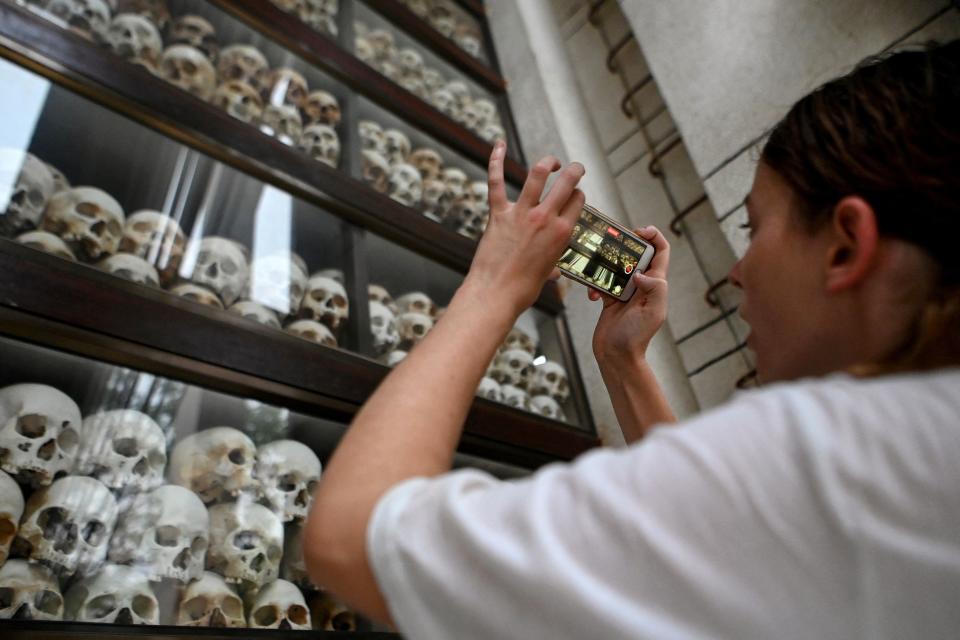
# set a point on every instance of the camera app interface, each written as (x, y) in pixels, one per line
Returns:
(601, 254)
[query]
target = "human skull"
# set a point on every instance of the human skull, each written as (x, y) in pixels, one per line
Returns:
(282, 86)
(519, 339)
(443, 100)
(135, 38)
(122, 448)
(492, 132)
(319, 14)
(460, 92)
(156, 11)
(241, 63)
(256, 312)
(467, 39)
(325, 301)
(380, 294)
(163, 534)
(514, 366)
(282, 121)
(330, 614)
(363, 49)
(415, 86)
(550, 378)
(240, 100)
(515, 397)
(321, 143)
(11, 508)
(89, 220)
(246, 543)
(456, 181)
(490, 389)
(46, 242)
(198, 294)
(26, 185)
(60, 181)
(441, 18)
(322, 107)
(279, 605)
(372, 137)
(39, 433)
(221, 266)
(278, 281)
(313, 331)
(406, 185)
(383, 326)
(382, 42)
(67, 526)
(115, 595)
(474, 115)
(288, 472)
(433, 79)
(419, 7)
(428, 162)
(413, 328)
(417, 302)
(394, 358)
(435, 205)
(547, 406)
(132, 268)
(471, 218)
(397, 146)
(89, 18)
(158, 239)
(293, 567)
(410, 62)
(210, 602)
(197, 32)
(189, 69)
(29, 592)
(215, 463)
(376, 170)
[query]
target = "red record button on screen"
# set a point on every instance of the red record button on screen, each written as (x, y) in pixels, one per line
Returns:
(613, 232)
(628, 269)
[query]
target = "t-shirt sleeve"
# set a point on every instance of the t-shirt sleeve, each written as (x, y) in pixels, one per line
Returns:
(687, 534)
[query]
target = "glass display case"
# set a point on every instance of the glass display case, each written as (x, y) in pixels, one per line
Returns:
(219, 229)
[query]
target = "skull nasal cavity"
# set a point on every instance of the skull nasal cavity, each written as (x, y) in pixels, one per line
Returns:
(32, 425)
(212, 270)
(236, 456)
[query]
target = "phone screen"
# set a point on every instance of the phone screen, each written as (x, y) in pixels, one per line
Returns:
(601, 253)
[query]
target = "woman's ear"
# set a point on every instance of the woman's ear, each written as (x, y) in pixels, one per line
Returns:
(853, 244)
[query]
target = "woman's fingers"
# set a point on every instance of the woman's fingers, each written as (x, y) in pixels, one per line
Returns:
(536, 180)
(562, 190)
(661, 258)
(498, 189)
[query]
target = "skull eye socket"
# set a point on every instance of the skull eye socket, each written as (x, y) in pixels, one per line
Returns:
(143, 606)
(266, 616)
(514, 364)
(35, 197)
(342, 621)
(32, 425)
(419, 329)
(142, 227)
(189, 67)
(311, 486)
(229, 267)
(287, 482)
(49, 602)
(198, 546)
(551, 377)
(6, 597)
(126, 447)
(114, 228)
(167, 536)
(101, 606)
(88, 209)
(339, 301)
(297, 614)
(232, 607)
(196, 607)
(246, 540)
(157, 459)
(236, 456)
(8, 528)
(274, 553)
(94, 533)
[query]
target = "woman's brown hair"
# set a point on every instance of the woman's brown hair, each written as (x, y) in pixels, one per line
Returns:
(888, 132)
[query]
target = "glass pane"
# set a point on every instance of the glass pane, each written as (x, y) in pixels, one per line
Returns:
(143, 500)
(150, 210)
(452, 22)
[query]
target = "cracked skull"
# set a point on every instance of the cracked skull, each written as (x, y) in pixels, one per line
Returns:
(288, 472)
(158, 239)
(67, 526)
(280, 605)
(29, 592)
(116, 595)
(210, 602)
(123, 448)
(189, 69)
(221, 266)
(89, 220)
(39, 433)
(30, 186)
(134, 38)
(246, 543)
(320, 142)
(163, 534)
(325, 301)
(215, 463)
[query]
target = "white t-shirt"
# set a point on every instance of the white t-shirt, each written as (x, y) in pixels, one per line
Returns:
(820, 509)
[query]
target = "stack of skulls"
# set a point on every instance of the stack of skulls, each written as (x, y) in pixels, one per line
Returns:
(398, 325)
(443, 17)
(319, 14)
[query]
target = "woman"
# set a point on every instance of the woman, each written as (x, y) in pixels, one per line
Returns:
(824, 506)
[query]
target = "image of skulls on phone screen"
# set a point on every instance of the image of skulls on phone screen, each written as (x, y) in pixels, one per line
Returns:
(601, 254)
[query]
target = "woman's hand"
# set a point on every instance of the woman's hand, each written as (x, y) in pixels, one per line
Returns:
(524, 239)
(625, 329)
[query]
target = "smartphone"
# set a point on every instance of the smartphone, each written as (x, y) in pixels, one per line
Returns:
(604, 254)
